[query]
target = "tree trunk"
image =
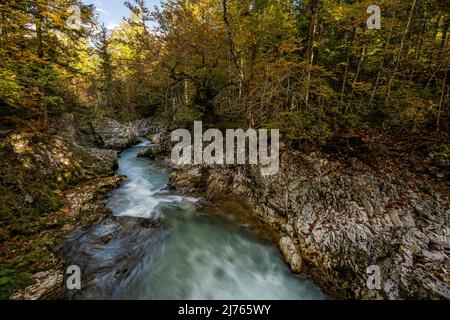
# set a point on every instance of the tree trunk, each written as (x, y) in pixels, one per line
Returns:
(314, 5)
(358, 71)
(347, 66)
(441, 103)
(402, 45)
(380, 71)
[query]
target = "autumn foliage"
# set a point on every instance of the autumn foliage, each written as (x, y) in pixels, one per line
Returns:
(310, 68)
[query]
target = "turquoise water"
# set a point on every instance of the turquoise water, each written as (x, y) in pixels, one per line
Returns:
(203, 256)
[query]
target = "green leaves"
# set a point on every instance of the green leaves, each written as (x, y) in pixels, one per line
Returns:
(38, 52)
(10, 279)
(299, 127)
(11, 92)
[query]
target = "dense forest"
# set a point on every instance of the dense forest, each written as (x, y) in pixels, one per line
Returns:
(312, 68)
(359, 90)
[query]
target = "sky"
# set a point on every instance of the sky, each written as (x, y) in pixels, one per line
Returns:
(111, 12)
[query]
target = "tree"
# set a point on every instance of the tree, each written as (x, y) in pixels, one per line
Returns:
(36, 44)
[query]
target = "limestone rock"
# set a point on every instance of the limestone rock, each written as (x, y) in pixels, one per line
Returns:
(433, 256)
(146, 127)
(345, 218)
(187, 179)
(45, 282)
(291, 254)
(115, 135)
(160, 148)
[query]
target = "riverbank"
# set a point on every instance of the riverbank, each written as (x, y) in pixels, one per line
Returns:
(37, 255)
(53, 181)
(340, 219)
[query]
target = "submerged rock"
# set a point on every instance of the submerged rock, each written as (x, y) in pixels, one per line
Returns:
(109, 267)
(160, 148)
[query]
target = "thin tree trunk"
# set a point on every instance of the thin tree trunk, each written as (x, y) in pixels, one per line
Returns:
(129, 107)
(40, 46)
(444, 34)
(347, 66)
(231, 44)
(402, 45)
(358, 71)
(441, 103)
(380, 71)
(186, 96)
(311, 40)
(418, 51)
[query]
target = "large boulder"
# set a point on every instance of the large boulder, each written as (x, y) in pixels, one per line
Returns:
(146, 127)
(115, 136)
(96, 133)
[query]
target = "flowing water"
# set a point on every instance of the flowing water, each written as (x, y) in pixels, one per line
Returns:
(190, 254)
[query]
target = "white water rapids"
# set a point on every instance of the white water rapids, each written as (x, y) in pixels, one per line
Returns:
(203, 256)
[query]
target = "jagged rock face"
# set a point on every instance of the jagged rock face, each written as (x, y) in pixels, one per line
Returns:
(146, 127)
(188, 180)
(35, 164)
(291, 254)
(115, 136)
(345, 219)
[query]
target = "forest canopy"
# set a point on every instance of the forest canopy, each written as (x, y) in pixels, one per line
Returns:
(311, 68)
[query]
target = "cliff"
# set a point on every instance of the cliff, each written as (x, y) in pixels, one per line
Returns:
(339, 219)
